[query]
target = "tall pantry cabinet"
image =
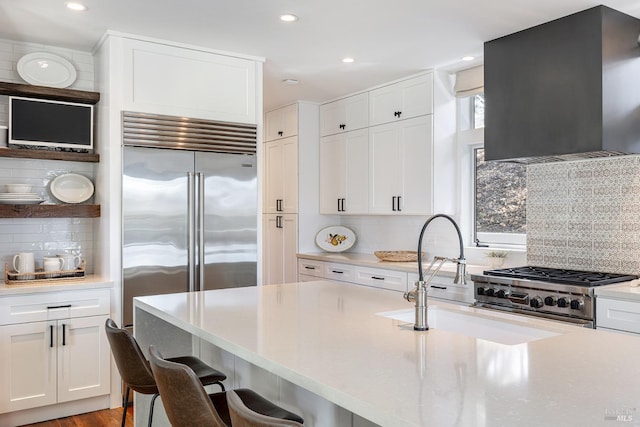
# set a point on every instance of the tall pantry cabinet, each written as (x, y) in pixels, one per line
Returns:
(290, 190)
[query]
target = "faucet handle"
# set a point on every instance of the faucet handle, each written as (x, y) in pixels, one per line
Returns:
(410, 296)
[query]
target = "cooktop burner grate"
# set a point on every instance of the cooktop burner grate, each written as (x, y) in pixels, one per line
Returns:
(556, 275)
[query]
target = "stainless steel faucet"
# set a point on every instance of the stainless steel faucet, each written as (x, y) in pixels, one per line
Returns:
(419, 292)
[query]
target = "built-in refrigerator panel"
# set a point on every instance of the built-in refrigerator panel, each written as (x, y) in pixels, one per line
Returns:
(230, 209)
(155, 234)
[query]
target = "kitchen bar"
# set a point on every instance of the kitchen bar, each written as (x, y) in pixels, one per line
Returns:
(323, 350)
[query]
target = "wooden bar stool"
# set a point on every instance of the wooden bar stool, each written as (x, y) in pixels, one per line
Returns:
(187, 404)
(136, 372)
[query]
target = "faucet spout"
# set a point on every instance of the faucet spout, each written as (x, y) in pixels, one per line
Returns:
(461, 277)
(419, 292)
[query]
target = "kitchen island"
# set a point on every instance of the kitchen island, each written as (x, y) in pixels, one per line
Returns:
(324, 351)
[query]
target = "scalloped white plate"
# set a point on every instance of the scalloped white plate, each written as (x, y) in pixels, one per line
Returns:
(46, 69)
(335, 238)
(71, 188)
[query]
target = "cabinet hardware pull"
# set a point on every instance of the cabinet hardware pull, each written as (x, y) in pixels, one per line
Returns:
(279, 205)
(279, 221)
(393, 203)
(337, 271)
(343, 208)
(53, 307)
(308, 267)
(438, 287)
(51, 336)
(399, 198)
(280, 133)
(339, 205)
(64, 334)
(377, 278)
(397, 114)
(342, 126)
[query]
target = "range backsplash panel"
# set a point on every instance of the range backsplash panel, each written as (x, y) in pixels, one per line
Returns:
(585, 215)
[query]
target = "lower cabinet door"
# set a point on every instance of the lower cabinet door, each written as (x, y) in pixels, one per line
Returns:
(83, 358)
(28, 368)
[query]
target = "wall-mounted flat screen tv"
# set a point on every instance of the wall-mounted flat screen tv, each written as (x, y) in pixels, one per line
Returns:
(47, 123)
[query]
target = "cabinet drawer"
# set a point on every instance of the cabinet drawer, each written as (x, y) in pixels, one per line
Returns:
(618, 314)
(380, 278)
(310, 268)
(340, 272)
(51, 306)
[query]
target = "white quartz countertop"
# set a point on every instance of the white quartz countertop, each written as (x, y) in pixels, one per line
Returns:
(328, 339)
(625, 291)
(370, 260)
(35, 286)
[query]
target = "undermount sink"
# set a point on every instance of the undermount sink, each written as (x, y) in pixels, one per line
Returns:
(476, 325)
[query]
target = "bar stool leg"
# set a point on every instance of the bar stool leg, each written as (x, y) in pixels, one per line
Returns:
(153, 401)
(125, 405)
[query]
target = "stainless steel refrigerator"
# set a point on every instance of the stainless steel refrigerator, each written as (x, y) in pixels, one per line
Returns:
(189, 222)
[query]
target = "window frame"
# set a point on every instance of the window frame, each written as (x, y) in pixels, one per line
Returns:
(469, 140)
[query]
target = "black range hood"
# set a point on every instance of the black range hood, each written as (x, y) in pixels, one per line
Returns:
(566, 89)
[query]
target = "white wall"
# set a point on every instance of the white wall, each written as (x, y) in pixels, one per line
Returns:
(43, 236)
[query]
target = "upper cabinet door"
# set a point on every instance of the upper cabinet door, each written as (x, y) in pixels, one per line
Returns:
(281, 176)
(176, 81)
(344, 115)
(281, 123)
(402, 100)
(401, 167)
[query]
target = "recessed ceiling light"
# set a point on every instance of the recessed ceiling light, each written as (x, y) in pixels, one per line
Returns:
(291, 82)
(79, 7)
(468, 58)
(287, 17)
(348, 60)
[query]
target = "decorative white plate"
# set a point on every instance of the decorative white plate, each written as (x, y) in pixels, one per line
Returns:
(71, 188)
(46, 69)
(335, 238)
(20, 201)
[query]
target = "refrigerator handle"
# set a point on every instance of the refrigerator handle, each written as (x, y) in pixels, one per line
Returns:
(191, 231)
(201, 246)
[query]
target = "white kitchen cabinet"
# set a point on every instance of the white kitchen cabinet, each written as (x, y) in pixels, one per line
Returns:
(344, 115)
(381, 278)
(281, 176)
(344, 164)
(402, 100)
(338, 272)
(281, 123)
(310, 268)
(280, 248)
(53, 348)
(401, 167)
(618, 315)
(185, 82)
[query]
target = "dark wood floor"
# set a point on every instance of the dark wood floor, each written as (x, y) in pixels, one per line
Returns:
(105, 418)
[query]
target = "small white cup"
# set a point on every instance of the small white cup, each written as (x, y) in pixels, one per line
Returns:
(53, 263)
(70, 261)
(24, 262)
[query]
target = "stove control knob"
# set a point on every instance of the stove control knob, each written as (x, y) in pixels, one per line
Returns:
(577, 304)
(536, 302)
(480, 291)
(490, 292)
(563, 302)
(502, 293)
(550, 301)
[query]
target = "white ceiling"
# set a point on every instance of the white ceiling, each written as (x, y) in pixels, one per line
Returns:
(388, 39)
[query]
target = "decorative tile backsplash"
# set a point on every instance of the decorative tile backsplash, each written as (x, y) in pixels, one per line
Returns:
(585, 214)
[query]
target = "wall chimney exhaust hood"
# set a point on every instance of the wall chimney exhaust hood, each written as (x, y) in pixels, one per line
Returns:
(564, 90)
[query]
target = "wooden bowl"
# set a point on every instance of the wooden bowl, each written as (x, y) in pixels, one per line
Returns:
(398, 256)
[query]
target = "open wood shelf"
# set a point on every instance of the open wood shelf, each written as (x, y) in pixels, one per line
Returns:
(26, 153)
(49, 211)
(31, 91)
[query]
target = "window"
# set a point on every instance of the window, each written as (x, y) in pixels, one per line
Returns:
(496, 191)
(500, 201)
